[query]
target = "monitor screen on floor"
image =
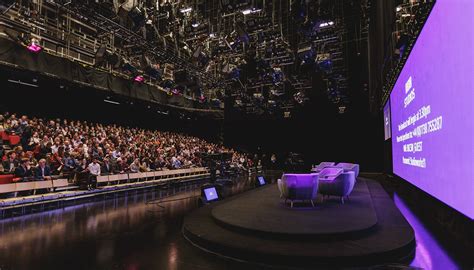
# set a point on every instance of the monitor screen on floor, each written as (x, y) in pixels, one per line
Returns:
(211, 194)
(432, 108)
(261, 180)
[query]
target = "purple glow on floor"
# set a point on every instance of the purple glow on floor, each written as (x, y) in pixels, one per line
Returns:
(429, 253)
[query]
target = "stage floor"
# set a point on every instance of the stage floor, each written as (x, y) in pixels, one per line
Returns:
(257, 226)
(260, 211)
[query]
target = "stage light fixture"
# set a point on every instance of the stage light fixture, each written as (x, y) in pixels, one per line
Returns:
(34, 46)
(250, 11)
(139, 79)
(326, 24)
(186, 10)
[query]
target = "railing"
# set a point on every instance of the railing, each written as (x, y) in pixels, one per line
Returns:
(115, 181)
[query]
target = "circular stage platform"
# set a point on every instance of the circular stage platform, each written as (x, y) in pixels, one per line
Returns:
(264, 213)
(257, 226)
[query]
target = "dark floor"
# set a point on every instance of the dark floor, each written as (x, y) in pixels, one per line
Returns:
(129, 233)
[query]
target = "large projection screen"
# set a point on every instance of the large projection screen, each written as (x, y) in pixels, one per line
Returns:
(432, 108)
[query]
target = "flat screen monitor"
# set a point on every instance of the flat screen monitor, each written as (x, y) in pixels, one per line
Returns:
(261, 180)
(432, 108)
(211, 194)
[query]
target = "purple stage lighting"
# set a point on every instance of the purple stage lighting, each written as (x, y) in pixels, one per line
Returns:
(139, 79)
(34, 46)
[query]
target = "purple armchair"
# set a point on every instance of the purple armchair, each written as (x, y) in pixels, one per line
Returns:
(349, 167)
(323, 165)
(341, 185)
(299, 187)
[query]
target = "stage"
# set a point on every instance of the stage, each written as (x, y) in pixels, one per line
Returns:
(257, 226)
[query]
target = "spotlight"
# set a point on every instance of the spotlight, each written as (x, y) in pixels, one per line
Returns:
(34, 46)
(186, 10)
(175, 91)
(326, 24)
(250, 11)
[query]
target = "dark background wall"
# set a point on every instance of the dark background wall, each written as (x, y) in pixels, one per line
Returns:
(59, 99)
(349, 138)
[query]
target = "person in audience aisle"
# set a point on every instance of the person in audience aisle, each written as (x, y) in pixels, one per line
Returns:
(43, 171)
(26, 133)
(24, 170)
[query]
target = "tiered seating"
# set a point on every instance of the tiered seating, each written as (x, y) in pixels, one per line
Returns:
(150, 177)
(14, 140)
(6, 178)
(4, 136)
(112, 182)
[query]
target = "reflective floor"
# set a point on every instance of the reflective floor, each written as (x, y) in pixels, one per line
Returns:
(140, 231)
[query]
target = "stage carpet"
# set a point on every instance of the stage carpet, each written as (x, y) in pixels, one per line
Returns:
(258, 226)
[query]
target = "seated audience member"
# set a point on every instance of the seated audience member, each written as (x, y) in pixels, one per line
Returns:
(65, 145)
(69, 164)
(106, 168)
(33, 162)
(81, 174)
(56, 161)
(94, 171)
(144, 166)
(122, 165)
(43, 171)
(10, 163)
(135, 166)
(24, 170)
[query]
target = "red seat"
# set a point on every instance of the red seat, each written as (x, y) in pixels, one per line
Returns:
(4, 136)
(14, 139)
(6, 178)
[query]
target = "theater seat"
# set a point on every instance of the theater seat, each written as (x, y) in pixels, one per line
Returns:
(349, 167)
(299, 187)
(4, 136)
(14, 139)
(6, 178)
(323, 165)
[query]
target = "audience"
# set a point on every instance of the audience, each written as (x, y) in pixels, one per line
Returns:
(67, 148)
